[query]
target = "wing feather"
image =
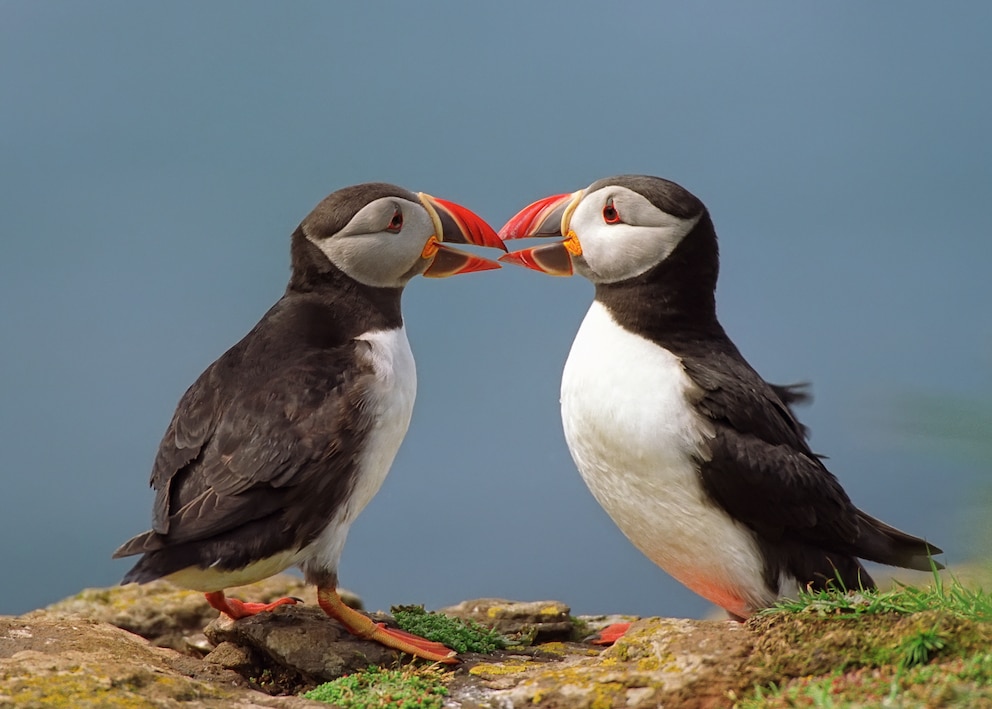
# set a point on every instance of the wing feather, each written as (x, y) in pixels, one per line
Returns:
(235, 453)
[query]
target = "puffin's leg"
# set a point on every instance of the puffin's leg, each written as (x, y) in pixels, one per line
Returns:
(361, 625)
(239, 609)
(610, 634)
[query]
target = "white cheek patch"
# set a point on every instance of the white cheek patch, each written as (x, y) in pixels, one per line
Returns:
(369, 254)
(645, 237)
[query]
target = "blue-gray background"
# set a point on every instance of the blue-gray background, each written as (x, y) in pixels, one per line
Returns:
(155, 157)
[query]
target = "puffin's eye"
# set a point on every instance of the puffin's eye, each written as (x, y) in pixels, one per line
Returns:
(610, 213)
(396, 223)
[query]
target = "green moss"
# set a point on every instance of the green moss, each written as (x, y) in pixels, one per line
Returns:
(375, 687)
(459, 635)
(580, 629)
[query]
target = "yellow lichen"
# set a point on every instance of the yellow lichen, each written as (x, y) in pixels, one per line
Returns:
(555, 648)
(605, 695)
(494, 670)
(81, 690)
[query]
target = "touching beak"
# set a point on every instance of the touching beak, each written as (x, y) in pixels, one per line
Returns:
(455, 223)
(546, 217)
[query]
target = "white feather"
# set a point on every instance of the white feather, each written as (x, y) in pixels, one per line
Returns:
(633, 433)
(391, 402)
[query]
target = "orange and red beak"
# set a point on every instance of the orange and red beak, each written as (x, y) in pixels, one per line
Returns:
(546, 217)
(457, 224)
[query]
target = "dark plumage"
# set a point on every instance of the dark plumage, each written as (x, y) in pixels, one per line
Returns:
(280, 443)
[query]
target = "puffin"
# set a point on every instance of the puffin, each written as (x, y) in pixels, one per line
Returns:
(701, 463)
(277, 447)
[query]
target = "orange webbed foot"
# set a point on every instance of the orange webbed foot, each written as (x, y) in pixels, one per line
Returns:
(361, 625)
(610, 634)
(236, 609)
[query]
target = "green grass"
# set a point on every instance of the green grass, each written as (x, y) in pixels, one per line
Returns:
(906, 647)
(459, 635)
(972, 604)
(375, 687)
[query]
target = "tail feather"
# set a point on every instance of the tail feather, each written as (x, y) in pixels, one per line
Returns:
(885, 544)
(141, 544)
(158, 560)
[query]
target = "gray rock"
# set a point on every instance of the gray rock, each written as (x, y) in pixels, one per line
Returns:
(302, 639)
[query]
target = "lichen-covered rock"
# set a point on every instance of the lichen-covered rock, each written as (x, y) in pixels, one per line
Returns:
(659, 662)
(172, 617)
(546, 620)
(59, 661)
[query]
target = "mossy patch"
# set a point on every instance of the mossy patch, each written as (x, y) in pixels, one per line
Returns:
(956, 683)
(862, 648)
(460, 635)
(795, 646)
(409, 688)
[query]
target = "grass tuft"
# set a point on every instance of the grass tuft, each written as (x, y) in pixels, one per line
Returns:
(918, 648)
(971, 604)
(409, 688)
(459, 635)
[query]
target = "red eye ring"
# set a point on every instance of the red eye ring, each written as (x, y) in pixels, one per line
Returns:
(610, 213)
(396, 223)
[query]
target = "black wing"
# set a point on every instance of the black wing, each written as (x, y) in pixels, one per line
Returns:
(258, 438)
(759, 468)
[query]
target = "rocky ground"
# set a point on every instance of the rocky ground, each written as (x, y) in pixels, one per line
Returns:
(155, 646)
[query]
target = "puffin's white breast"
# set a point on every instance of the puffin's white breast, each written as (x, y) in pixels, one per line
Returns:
(390, 403)
(634, 436)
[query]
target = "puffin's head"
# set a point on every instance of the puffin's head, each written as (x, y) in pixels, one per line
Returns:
(616, 229)
(382, 235)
